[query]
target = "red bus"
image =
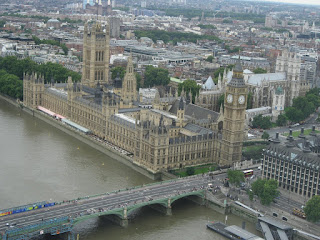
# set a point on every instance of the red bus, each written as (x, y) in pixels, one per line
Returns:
(248, 173)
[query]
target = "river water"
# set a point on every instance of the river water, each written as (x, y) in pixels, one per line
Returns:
(39, 162)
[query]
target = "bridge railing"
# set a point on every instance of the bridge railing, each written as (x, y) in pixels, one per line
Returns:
(28, 207)
(32, 206)
(124, 189)
(37, 227)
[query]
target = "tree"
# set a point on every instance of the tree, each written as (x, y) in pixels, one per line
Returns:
(187, 86)
(210, 58)
(156, 77)
(259, 71)
(312, 209)
(138, 77)
(235, 177)
(293, 114)
(190, 171)
(265, 135)
(221, 101)
(118, 70)
(282, 120)
(266, 190)
(261, 122)
(250, 100)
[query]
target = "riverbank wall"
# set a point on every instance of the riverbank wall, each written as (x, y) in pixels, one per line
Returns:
(89, 141)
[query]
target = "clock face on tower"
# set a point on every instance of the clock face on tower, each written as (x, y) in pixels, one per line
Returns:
(229, 98)
(241, 99)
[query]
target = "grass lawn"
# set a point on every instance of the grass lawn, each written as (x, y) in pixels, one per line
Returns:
(297, 133)
(198, 170)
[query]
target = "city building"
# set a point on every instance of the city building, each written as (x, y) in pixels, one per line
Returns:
(294, 163)
(169, 133)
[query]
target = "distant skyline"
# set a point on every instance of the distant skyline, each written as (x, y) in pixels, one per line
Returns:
(310, 2)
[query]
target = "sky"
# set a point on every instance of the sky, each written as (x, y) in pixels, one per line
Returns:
(313, 2)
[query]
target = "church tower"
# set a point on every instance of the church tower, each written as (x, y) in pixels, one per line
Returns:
(95, 55)
(129, 85)
(235, 104)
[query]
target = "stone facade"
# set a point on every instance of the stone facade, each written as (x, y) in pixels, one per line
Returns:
(95, 55)
(295, 164)
(235, 104)
(296, 86)
(172, 133)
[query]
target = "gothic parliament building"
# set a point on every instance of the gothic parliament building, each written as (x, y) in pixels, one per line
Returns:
(172, 134)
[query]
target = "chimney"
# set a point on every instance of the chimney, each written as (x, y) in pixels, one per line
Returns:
(290, 139)
(302, 133)
(276, 139)
(290, 134)
(306, 147)
(313, 132)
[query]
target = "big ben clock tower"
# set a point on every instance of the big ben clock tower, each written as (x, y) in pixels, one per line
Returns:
(235, 104)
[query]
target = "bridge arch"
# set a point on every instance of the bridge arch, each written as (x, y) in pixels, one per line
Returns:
(161, 202)
(198, 194)
(116, 212)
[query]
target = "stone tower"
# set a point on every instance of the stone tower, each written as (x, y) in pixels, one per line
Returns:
(33, 89)
(95, 55)
(129, 85)
(235, 104)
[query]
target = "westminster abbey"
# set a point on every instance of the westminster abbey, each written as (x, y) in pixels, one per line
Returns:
(171, 134)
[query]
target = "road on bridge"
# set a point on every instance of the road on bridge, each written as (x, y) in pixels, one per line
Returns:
(107, 201)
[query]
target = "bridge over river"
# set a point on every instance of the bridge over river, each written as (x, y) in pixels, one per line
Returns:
(36, 219)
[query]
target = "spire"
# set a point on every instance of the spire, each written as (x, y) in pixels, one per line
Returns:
(130, 64)
(238, 67)
(219, 82)
(237, 78)
(221, 109)
(181, 104)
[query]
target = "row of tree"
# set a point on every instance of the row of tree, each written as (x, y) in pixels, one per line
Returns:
(265, 189)
(49, 70)
(11, 85)
(301, 108)
(12, 69)
(152, 77)
(187, 86)
(38, 41)
(173, 37)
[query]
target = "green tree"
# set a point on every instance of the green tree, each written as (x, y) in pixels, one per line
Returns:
(49, 70)
(221, 101)
(253, 152)
(265, 135)
(210, 58)
(187, 86)
(259, 71)
(235, 177)
(302, 104)
(261, 122)
(250, 100)
(156, 77)
(312, 209)
(282, 120)
(293, 114)
(266, 190)
(118, 70)
(190, 171)
(138, 77)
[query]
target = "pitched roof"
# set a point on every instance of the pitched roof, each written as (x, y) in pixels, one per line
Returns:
(194, 110)
(209, 84)
(256, 79)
